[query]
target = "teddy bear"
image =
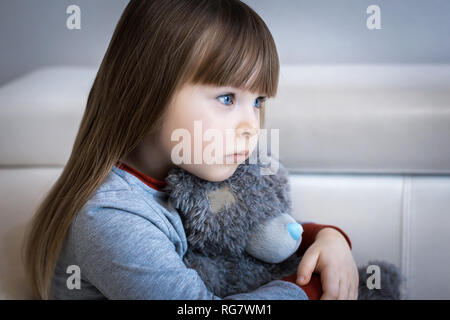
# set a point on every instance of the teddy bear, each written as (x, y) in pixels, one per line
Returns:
(240, 231)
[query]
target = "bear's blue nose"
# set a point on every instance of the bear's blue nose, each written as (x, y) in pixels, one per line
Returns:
(295, 230)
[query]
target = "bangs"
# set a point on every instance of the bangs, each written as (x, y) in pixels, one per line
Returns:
(236, 50)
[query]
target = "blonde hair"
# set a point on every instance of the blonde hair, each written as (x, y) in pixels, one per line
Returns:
(157, 46)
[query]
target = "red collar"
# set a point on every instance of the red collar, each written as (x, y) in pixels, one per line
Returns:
(151, 182)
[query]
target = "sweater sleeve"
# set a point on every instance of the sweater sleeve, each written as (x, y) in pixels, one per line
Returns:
(310, 231)
(128, 257)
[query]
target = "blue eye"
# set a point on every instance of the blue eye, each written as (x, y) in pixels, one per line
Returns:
(226, 100)
(261, 100)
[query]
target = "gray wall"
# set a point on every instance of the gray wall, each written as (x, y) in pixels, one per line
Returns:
(34, 33)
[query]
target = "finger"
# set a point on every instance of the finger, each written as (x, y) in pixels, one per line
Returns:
(343, 289)
(307, 266)
(351, 293)
(356, 292)
(349, 287)
(330, 285)
(355, 286)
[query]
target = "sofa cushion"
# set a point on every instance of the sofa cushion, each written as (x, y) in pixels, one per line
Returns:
(40, 113)
(359, 118)
(369, 119)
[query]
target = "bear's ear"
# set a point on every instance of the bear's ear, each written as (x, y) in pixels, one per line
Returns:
(220, 198)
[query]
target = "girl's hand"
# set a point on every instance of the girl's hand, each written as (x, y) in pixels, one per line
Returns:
(331, 257)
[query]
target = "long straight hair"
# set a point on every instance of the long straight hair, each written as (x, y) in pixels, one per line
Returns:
(157, 46)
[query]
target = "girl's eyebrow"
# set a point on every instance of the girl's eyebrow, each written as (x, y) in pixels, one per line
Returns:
(233, 90)
(257, 96)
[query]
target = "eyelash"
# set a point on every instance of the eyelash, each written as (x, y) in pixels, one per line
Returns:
(261, 99)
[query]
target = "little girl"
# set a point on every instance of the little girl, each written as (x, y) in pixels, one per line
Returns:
(105, 229)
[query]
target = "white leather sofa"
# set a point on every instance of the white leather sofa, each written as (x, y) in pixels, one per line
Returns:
(368, 149)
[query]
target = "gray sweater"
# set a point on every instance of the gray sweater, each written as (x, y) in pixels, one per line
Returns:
(127, 242)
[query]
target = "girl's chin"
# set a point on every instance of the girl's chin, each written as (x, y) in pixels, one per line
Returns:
(213, 173)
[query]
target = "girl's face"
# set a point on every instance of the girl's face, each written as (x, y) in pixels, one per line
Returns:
(234, 116)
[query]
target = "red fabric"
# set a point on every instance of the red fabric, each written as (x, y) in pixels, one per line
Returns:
(310, 231)
(151, 182)
(313, 288)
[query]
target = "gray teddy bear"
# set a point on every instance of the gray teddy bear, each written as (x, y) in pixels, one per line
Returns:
(241, 234)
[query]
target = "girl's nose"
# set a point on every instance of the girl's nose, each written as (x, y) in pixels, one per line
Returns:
(248, 131)
(248, 121)
(295, 230)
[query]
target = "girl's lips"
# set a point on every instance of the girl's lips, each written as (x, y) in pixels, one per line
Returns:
(243, 153)
(238, 157)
